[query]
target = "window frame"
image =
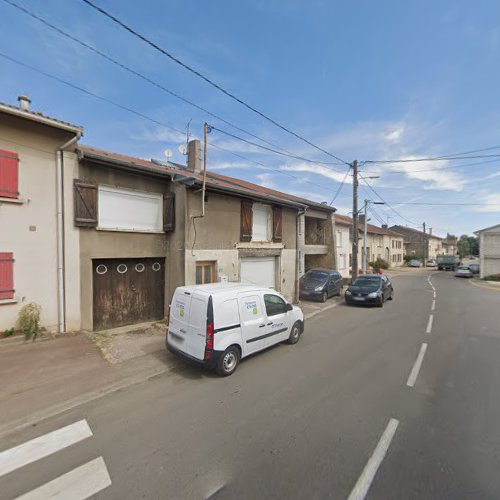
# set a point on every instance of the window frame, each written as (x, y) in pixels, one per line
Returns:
(206, 264)
(274, 313)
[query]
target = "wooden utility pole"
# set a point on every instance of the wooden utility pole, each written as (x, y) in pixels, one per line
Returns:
(355, 218)
(425, 246)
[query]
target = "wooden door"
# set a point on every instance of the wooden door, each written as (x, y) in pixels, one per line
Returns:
(128, 291)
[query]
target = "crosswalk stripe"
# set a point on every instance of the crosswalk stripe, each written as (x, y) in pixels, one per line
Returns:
(78, 484)
(42, 446)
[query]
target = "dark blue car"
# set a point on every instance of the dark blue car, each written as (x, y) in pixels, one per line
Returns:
(320, 284)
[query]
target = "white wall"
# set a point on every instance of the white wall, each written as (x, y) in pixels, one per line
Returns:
(342, 249)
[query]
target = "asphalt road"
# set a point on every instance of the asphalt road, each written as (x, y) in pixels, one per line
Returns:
(358, 407)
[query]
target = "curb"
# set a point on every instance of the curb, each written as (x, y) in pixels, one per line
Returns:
(485, 287)
(327, 308)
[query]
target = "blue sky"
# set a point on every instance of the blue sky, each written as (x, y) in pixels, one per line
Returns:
(364, 80)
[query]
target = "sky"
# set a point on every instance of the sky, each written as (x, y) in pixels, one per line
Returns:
(362, 80)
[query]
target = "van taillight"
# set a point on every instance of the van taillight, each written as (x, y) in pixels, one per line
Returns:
(209, 340)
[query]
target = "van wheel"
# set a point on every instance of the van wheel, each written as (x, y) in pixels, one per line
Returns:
(228, 361)
(294, 334)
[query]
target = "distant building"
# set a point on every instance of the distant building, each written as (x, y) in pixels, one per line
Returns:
(489, 250)
(420, 244)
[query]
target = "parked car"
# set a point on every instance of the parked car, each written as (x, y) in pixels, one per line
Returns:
(370, 289)
(218, 324)
(432, 263)
(463, 272)
(475, 268)
(414, 263)
(320, 284)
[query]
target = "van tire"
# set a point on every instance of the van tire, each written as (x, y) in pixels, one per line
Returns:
(295, 333)
(228, 362)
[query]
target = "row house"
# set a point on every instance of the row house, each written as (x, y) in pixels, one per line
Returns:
(381, 243)
(489, 250)
(420, 244)
(101, 239)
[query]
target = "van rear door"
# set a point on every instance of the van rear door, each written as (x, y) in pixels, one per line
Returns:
(178, 329)
(197, 326)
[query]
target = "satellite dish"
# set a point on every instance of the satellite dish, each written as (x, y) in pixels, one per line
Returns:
(182, 149)
(168, 153)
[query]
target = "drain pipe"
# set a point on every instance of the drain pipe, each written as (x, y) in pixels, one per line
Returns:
(297, 256)
(61, 305)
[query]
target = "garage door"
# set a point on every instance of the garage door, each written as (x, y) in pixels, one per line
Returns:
(259, 271)
(128, 291)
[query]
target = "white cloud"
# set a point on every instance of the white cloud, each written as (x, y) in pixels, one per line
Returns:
(491, 203)
(266, 180)
(318, 170)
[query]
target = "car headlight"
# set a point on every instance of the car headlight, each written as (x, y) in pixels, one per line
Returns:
(348, 292)
(373, 295)
(318, 288)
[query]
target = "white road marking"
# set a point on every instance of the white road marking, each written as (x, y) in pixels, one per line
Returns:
(416, 367)
(433, 306)
(78, 484)
(434, 294)
(429, 324)
(364, 482)
(42, 446)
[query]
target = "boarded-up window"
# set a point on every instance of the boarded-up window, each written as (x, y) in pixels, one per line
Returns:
(168, 212)
(246, 220)
(6, 275)
(129, 210)
(85, 202)
(277, 224)
(9, 163)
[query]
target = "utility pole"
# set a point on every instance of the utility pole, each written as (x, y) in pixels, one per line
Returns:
(355, 216)
(425, 245)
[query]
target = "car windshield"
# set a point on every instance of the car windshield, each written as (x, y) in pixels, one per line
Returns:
(463, 268)
(316, 275)
(367, 281)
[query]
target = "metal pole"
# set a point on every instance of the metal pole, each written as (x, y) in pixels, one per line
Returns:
(355, 216)
(364, 238)
(205, 147)
(425, 245)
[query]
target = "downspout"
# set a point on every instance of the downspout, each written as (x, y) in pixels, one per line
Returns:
(297, 255)
(61, 305)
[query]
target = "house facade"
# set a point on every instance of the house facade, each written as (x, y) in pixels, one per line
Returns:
(489, 250)
(38, 244)
(420, 244)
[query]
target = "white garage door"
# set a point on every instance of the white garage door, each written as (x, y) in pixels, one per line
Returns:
(259, 271)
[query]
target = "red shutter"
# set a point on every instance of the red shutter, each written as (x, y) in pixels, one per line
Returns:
(277, 224)
(6, 275)
(246, 220)
(8, 174)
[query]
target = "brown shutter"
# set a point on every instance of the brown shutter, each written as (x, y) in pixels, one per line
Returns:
(85, 198)
(277, 224)
(246, 220)
(168, 212)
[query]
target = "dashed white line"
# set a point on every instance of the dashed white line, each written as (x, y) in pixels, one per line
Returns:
(433, 306)
(78, 484)
(416, 367)
(364, 481)
(429, 324)
(42, 446)
(434, 295)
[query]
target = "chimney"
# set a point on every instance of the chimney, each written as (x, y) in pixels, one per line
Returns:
(24, 102)
(194, 156)
(385, 226)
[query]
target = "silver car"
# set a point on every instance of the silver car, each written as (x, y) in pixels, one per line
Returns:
(463, 272)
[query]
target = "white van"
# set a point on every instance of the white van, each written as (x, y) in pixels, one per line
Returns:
(218, 324)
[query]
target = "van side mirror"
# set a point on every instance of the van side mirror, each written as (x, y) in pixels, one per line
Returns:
(289, 307)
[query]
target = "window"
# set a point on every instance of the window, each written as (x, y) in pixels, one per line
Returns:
(339, 238)
(205, 273)
(6, 276)
(129, 210)
(9, 174)
(274, 305)
(261, 222)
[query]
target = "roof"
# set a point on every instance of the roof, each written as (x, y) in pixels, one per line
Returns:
(214, 181)
(40, 118)
(479, 231)
(410, 230)
(371, 229)
(214, 288)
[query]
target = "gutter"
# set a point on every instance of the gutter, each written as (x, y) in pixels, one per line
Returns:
(297, 256)
(61, 288)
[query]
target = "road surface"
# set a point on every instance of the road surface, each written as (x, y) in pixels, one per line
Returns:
(398, 402)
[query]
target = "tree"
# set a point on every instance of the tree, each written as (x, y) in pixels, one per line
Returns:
(463, 246)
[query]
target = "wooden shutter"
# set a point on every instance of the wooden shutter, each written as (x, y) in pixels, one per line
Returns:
(85, 197)
(277, 224)
(6, 275)
(168, 212)
(9, 166)
(246, 220)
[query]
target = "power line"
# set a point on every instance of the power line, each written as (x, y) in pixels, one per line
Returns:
(439, 158)
(136, 73)
(296, 157)
(141, 115)
(206, 79)
(430, 204)
(337, 193)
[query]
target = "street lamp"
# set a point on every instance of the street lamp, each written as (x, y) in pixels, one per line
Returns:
(367, 202)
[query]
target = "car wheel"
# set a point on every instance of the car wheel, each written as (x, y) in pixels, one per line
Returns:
(324, 297)
(391, 295)
(381, 302)
(294, 333)
(228, 362)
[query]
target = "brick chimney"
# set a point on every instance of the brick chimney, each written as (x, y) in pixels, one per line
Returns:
(194, 156)
(24, 102)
